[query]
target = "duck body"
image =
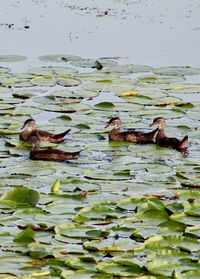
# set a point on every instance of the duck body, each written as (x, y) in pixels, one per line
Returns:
(52, 154)
(162, 140)
(131, 135)
(30, 132)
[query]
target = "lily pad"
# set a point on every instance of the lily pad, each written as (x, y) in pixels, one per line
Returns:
(44, 81)
(128, 69)
(52, 71)
(21, 195)
(90, 63)
(110, 86)
(119, 270)
(121, 245)
(12, 58)
(184, 88)
(59, 58)
(68, 82)
(177, 71)
(4, 70)
(78, 231)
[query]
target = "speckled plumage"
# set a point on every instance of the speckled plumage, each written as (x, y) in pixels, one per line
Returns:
(164, 141)
(30, 132)
(130, 136)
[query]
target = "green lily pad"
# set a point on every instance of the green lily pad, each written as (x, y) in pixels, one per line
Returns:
(38, 251)
(184, 88)
(21, 195)
(119, 270)
(83, 274)
(121, 245)
(192, 208)
(52, 71)
(25, 237)
(90, 63)
(44, 81)
(193, 274)
(159, 79)
(177, 71)
(4, 70)
(68, 82)
(128, 69)
(110, 85)
(68, 108)
(59, 58)
(78, 231)
(12, 58)
(186, 243)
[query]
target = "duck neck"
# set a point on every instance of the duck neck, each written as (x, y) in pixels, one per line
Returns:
(114, 132)
(161, 133)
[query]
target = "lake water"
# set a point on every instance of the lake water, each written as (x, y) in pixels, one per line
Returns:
(153, 32)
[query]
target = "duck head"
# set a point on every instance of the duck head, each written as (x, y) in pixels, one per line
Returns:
(114, 123)
(159, 122)
(29, 124)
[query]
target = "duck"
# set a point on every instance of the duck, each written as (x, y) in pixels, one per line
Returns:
(29, 132)
(50, 154)
(131, 135)
(164, 141)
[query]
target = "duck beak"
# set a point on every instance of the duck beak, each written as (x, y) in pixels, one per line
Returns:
(152, 124)
(23, 126)
(106, 126)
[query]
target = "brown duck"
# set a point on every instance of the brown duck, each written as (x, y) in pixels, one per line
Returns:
(51, 154)
(29, 133)
(131, 135)
(164, 141)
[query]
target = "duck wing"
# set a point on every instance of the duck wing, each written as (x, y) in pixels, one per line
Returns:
(169, 142)
(53, 155)
(183, 143)
(56, 138)
(140, 136)
(131, 136)
(61, 135)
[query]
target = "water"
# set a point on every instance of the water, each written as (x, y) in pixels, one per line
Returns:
(154, 32)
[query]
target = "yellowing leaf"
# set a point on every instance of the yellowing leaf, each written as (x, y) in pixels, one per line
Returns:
(130, 93)
(177, 88)
(55, 186)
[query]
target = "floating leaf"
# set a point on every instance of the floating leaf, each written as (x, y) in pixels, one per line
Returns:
(105, 105)
(44, 81)
(38, 251)
(184, 88)
(186, 243)
(110, 245)
(128, 69)
(68, 82)
(21, 195)
(12, 58)
(78, 231)
(4, 70)
(52, 71)
(119, 270)
(90, 63)
(110, 85)
(55, 186)
(25, 237)
(130, 93)
(59, 58)
(159, 79)
(177, 71)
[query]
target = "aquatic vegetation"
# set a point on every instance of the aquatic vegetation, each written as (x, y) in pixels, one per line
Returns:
(120, 209)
